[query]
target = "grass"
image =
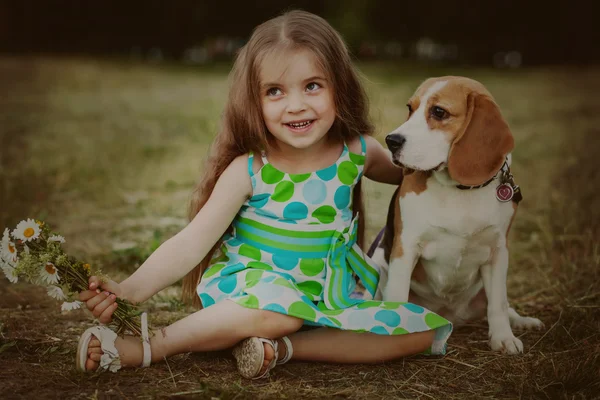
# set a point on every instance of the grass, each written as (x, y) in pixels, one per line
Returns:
(107, 152)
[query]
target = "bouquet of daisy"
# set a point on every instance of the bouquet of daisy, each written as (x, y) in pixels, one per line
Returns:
(33, 253)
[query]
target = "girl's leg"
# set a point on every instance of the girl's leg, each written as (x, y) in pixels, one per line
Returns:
(335, 345)
(217, 327)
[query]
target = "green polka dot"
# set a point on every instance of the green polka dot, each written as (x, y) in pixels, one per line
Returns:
(357, 159)
(310, 296)
(335, 321)
(252, 278)
(283, 282)
(312, 266)
(347, 172)
(368, 304)
(302, 310)
(271, 175)
(325, 214)
(312, 287)
(260, 265)
(250, 301)
(399, 331)
(391, 305)
(297, 178)
(329, 312)
(434, 321)
(283, 191)
(250, 252)
(213, 270)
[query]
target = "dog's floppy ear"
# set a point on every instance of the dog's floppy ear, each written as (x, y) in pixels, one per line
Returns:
(478, 153)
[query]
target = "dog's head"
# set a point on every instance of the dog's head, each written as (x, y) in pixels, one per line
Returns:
(452, 122)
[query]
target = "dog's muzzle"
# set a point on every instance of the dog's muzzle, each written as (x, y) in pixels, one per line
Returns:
(395, 142)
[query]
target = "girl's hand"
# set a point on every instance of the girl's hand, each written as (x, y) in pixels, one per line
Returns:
(101, 298)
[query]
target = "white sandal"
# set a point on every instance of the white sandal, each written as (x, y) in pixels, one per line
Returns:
(110, 359)
(250, 356)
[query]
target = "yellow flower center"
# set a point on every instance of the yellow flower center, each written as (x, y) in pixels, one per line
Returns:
(87, 267)
(50, 268)
(28, 232)
(11, 248)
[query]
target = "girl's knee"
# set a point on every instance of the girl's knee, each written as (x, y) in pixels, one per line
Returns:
(272, 325)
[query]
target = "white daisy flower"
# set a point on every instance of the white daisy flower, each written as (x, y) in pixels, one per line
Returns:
(10, 273)
(56, 293)
(74, 305)
(49, 274)
(56, 238)
(27, 230)
(8, 251)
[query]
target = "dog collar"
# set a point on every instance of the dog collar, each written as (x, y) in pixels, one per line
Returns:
(507, 189)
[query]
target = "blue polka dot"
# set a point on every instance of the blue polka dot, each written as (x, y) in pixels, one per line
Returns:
(206, 300)
(309, 302)
(315, 191)
(288, 221)
(275, 307)
(414, 308)
(390, 318)
(415, 323)
(253, 179)
(326, 322)
(228, 284)
(268, 279)
(266, 213)
(360, 319)
(283, 262)
(346, 214)
(380, 330)
(342, 197)
(232, 269)
(259, 200)
(328, 173)
(295, 210)
(234, 242)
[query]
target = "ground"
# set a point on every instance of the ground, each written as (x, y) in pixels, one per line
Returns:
(107, 152)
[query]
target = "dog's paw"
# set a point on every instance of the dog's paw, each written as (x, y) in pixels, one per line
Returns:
(526, 323)
(506, 343)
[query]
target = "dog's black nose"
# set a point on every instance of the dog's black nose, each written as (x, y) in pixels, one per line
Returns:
(395, 141)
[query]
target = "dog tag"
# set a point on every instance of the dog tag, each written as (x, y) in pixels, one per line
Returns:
(504, 192)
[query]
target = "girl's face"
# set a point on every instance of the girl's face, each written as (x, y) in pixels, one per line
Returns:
(297, 100)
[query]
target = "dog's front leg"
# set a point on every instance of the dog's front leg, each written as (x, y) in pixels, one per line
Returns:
(494, 282)
(402, 262)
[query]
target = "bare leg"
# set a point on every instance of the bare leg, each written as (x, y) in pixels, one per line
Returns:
(335, 345)
(217, 327)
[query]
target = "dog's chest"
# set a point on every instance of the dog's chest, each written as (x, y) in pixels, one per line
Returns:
(456, 232)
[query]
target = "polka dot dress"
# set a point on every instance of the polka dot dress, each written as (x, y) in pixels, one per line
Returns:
(294, 251)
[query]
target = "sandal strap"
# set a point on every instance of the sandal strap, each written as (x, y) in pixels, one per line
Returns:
(273, 362)
(289, 351)
(146, 342)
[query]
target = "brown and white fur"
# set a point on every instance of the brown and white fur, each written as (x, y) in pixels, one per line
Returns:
(446, 247)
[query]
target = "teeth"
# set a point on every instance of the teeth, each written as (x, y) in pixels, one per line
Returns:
(300, 125)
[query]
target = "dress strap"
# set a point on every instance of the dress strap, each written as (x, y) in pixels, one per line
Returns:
(363, 145)
(250, 162)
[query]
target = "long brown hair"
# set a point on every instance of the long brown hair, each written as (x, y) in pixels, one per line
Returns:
(243, 128)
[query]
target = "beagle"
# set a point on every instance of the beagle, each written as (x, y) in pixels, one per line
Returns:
(445, 243)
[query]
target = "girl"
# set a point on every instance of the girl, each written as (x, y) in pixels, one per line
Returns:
(276, 225)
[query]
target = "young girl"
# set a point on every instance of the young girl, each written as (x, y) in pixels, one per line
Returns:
(276, 225)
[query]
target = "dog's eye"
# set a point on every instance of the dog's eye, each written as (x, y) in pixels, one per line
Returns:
(438, 113)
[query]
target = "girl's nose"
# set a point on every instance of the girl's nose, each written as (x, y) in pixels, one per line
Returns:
(296, 103)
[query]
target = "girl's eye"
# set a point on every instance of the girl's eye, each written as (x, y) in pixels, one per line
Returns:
(313, 86)
(438, 113)
(273, 92)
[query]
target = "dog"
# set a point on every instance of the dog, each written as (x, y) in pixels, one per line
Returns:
(445, 241)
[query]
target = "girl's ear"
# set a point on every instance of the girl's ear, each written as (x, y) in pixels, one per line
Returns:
(478, 153)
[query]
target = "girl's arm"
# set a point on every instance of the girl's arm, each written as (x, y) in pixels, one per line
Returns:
(378, 165)
(181, 253)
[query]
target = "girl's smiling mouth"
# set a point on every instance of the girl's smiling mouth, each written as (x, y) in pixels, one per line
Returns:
(300, 126)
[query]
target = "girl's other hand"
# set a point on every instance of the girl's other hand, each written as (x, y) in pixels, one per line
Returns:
(101, 298)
